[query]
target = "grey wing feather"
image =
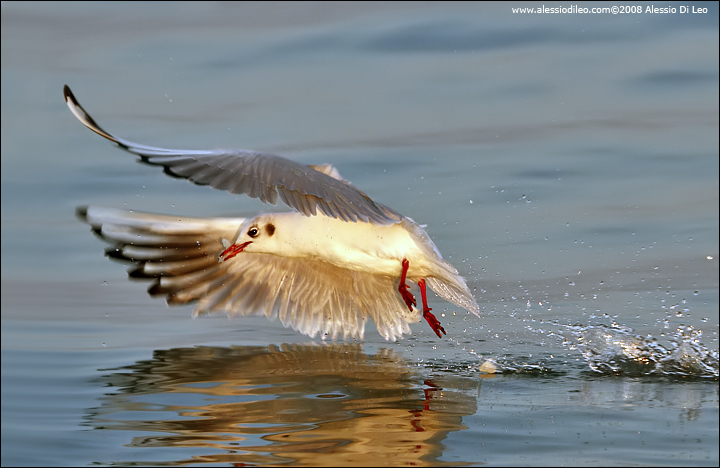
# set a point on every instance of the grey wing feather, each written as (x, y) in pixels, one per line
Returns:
(180, 256)
(258, 175)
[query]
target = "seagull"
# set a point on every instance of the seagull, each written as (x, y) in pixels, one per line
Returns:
(338, 259)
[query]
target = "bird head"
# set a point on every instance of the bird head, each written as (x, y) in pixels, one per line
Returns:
(256, 235)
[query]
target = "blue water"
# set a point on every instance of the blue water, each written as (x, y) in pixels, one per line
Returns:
(566, 164)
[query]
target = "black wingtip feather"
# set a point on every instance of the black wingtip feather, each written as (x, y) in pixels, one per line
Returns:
(156, 290)
(81, 212)
(116, 253)
(67, 94)
(139, 273)
(167, 170)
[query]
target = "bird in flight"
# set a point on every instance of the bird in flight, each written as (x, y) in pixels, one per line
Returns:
(338, 259)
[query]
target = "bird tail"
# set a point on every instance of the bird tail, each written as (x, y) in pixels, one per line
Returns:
(456, 291)
(446, 282)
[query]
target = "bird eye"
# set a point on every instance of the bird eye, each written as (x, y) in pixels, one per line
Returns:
(253, 232)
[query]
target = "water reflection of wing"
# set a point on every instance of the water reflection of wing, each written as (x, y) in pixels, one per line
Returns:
(319, 405)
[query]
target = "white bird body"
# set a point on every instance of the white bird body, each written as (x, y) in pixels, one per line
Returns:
(358, 246)
(326, 268)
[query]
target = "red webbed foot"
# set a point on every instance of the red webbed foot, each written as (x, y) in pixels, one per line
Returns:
(434, 323)
(429, 317)
(410, 300)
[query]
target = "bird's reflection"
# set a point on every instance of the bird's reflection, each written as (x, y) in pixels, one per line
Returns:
(319, 405)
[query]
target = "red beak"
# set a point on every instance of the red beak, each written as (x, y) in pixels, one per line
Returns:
(233, 250)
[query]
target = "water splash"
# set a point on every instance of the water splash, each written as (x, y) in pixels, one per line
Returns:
(616, 349)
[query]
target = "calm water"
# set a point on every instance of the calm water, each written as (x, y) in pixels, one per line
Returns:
(566, 164)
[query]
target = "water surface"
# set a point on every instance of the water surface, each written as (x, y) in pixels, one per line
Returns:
(566, 164)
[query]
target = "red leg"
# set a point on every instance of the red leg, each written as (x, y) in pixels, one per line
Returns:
(403, 288)
(429, 317)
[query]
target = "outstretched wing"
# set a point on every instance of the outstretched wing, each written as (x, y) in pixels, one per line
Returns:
(258, 175)
(180, 256)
